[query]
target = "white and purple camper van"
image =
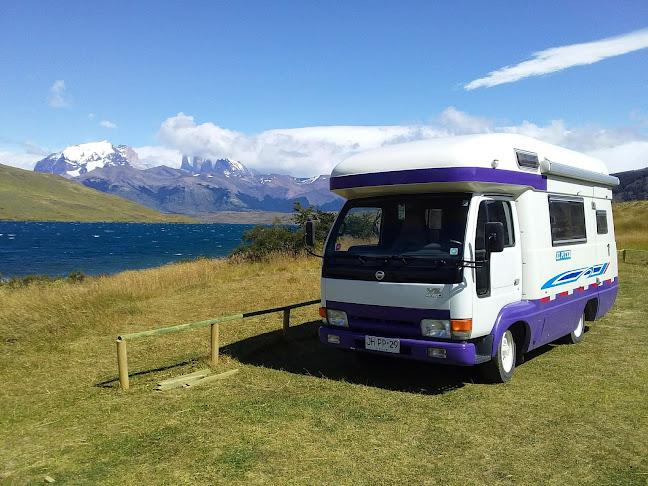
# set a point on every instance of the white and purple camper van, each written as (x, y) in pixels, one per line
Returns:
(468, 250)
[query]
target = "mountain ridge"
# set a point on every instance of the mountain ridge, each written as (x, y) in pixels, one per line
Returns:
(200, 186)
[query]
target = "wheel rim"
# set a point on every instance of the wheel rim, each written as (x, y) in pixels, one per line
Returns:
(579, 328)
(507, 348)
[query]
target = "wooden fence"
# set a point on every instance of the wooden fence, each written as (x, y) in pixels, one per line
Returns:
(626, 256)
(122, 360)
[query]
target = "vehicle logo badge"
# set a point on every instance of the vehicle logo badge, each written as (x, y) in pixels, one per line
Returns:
(380, 274)
(434, 292)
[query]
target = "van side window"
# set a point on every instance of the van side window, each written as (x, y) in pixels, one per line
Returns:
(495, 211)
(567, 219)
(489, 212)
(601, 222)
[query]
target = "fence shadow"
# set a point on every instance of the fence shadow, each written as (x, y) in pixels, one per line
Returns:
(111, 383)
(303, 354)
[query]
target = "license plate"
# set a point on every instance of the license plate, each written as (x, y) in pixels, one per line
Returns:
(386, 345)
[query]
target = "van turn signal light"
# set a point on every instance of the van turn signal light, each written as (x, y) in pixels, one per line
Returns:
(461, 324)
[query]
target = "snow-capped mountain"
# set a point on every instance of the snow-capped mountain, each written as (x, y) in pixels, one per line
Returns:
(200, 185)
(81, 159)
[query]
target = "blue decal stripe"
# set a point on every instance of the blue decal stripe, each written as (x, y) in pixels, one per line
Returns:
(571, 276)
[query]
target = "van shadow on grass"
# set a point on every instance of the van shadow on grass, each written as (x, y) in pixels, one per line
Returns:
(303, 354)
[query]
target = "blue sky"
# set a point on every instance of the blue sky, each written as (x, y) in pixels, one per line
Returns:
(294, 86)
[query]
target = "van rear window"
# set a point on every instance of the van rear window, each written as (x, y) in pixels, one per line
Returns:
(567, 217)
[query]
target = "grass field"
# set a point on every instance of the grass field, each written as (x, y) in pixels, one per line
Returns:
(31, 196)
(298, 412)
(631, 224)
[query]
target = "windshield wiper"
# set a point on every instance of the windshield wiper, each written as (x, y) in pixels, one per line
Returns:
(438, 261)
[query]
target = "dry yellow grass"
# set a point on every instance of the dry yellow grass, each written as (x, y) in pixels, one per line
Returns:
(631, 224)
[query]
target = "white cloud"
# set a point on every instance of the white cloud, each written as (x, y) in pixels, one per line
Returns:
(625, 156)
(154, 156)
(559, 58)
(19, 159)
(305, 152)
(297, 151)
(57, 97)
(34, 149)
(91, 116)
(460, 123)
(107, 124)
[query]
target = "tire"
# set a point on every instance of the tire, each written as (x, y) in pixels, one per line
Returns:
(576, 336)
(500, 368)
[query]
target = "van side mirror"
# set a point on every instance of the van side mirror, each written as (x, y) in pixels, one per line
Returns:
(310, 233)
(494, 237)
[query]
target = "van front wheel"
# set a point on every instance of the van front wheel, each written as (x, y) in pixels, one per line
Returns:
(500, 368)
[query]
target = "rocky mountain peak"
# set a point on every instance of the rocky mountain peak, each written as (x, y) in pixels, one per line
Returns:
(228, 168)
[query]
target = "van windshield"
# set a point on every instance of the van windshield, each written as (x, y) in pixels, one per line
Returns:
(417, 231)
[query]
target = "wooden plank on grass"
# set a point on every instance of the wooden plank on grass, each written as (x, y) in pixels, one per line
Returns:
(209, 379)
(183, 380)
(200, 373)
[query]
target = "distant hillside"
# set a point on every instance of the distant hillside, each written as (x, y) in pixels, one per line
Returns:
(30, 196)
(633, 186)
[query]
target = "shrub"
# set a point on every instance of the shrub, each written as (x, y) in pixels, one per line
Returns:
(262, 241)
(77, 276)
(18, 282)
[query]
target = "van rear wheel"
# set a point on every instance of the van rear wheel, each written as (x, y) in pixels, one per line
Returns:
(576, 336)
(500, 368)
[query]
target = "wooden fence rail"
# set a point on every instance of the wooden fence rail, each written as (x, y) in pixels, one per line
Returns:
(624, 251)
(122, 359)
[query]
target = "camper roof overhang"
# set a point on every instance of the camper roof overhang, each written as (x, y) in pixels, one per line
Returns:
(557, 169)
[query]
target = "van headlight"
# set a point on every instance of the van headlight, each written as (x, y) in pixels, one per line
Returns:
(438, 328)
(337, 318)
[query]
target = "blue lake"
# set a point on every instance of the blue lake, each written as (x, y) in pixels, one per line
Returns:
(47, 248)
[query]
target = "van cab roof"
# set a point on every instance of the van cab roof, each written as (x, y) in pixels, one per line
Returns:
(499, 162)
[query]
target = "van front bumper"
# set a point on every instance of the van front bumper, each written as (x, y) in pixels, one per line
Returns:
(456, 353)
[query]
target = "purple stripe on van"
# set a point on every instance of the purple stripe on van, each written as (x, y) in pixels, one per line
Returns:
(447, 174)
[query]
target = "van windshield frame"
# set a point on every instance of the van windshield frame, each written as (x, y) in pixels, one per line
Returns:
(411, 237)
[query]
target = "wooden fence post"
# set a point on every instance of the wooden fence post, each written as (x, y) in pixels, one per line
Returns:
(214, 344)
(623, 252)
(122, 364)
(286, 322)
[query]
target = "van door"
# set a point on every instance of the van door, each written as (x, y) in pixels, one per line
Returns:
(604, 236)
(606, 252)
(498, 276)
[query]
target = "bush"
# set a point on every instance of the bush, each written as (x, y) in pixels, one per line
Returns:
(77, 276)
(262, 241)
(18, 282)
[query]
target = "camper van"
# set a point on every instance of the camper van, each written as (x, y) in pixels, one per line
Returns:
(468, 250)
